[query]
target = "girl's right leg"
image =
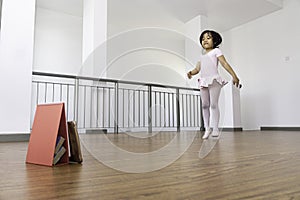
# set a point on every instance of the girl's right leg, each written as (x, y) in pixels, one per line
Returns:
(214, 92)
(205, 100)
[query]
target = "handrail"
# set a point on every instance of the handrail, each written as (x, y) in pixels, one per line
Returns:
(111, 80)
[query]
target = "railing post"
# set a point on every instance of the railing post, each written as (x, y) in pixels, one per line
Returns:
(178, 109)
(76, 96)
(149, 109)
(202, 121)
(116, 125)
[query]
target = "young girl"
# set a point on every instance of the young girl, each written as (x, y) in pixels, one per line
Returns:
(210, 82)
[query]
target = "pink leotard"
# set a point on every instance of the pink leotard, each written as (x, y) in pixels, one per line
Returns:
(209, 68)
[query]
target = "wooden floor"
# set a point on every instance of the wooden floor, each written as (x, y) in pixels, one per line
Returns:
(242, 165)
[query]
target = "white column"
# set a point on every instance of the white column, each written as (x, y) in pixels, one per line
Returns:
(94, 38)
(193, 49)
(16, 60)
(230, 106)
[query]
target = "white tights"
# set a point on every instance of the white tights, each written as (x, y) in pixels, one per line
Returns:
(210, 98)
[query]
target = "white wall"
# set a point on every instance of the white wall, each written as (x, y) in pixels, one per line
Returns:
(58, 42)
(94, 38)
(133, 56)
(265, 54)
(148, 48)
(16, 58)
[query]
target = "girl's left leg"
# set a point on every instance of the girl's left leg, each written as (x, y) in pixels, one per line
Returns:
(214, 93)
(205, 101)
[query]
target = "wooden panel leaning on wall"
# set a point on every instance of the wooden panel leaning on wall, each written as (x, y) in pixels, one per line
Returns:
(74, 140)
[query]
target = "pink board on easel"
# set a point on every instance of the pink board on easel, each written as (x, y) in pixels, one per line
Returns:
(49, 122)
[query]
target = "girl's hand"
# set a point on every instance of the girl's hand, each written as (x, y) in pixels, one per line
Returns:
(189, 75)
(236, 81)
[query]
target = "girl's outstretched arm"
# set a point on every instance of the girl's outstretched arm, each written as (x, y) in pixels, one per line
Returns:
(195, 71)
(229, 69)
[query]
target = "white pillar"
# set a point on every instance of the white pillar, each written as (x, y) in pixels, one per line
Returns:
(94, 38)
(230, 103)
(16, 60)
(193, 49)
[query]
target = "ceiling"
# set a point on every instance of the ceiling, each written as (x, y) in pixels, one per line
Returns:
(223, 14)
(71, 7)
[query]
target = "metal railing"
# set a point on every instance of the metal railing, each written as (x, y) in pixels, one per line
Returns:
(119, 106)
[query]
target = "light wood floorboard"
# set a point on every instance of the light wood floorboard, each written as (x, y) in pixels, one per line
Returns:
(242, 165)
